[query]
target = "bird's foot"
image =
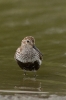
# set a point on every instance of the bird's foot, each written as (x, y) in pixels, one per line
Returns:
(35, 74)
(25, 74)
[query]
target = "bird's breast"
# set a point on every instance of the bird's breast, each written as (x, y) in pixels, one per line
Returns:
(28, 55)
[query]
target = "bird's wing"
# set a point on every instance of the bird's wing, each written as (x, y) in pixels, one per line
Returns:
(17, 51)
(40, 54)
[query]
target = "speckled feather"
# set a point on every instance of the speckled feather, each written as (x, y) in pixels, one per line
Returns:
(27, 55)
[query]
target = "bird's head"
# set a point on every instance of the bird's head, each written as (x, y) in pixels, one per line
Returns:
(28, 41)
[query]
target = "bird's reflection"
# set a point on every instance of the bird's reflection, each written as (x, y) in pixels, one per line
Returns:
(30, 84)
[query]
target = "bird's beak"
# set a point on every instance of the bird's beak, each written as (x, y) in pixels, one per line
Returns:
(37, 49)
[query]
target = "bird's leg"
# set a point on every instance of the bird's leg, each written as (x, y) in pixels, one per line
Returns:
(35, 75)
(25, 72)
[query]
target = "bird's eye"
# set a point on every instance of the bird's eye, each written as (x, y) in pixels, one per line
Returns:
(27, 41)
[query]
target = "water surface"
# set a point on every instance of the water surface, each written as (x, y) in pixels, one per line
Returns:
(46, 21)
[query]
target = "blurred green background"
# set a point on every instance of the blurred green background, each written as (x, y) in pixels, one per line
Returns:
(46, 21)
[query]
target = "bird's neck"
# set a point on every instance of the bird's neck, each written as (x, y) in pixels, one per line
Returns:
(26, 46)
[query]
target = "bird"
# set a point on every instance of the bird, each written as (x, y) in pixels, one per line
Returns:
(28, 56)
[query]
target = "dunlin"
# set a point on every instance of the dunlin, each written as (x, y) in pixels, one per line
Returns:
(28, 56)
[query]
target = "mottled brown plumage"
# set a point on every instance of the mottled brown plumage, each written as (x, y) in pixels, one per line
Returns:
(27, 55)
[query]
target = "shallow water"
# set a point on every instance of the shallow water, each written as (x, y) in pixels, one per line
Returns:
(46, 21)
